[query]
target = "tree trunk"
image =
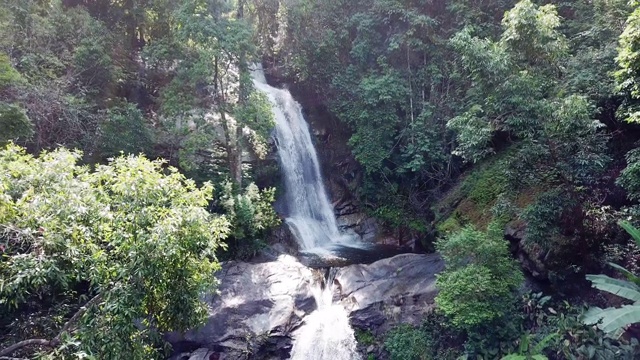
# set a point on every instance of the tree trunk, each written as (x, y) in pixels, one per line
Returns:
(243, 95)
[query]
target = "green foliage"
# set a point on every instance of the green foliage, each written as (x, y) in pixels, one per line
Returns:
(528, 351)
(474, 134)
(251, 214)
(628, 75)
(365, 337)
(373, 117)
(450, 225)
(543, 218)
(124, 131)
(407, 343)
(14, 123)
(559, 327)
(484, 185)
(629, 178)
(480, 280)
(8, 75)
(533, 31)
(131, 234)
(616, 320)
(97, 72)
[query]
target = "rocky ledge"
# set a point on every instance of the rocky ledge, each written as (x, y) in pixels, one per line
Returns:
(259, 306)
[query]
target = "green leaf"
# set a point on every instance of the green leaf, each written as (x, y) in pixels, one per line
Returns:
(635, 233)
(617, 287)
(628, 274)
(613, 319)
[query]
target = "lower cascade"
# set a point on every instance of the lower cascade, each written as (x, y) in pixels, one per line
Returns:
(326, 333)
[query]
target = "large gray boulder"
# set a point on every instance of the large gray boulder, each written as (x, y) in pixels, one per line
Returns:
(255, 310)
(396, 290)
(259, 306)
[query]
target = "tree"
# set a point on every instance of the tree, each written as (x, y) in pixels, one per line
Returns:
(628, 74)
(123, 252)
(479, 283)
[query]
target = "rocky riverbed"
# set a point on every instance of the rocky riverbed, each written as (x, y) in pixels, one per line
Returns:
(259, 306)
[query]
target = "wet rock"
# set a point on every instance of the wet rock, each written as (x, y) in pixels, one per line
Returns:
(396, 290)
(530, 256)
(256, 309)
(201, 354)
(364, 226)
(260, 306)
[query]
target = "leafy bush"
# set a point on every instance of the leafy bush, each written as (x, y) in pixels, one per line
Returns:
(480, 280)
(124, 130)
(14, 123)
(8, 75)
(558, 326)
(251, 214)
(129, 247)
(629, 178)
(407, 343)
(365, 337)
(544, 217)
(616, 320)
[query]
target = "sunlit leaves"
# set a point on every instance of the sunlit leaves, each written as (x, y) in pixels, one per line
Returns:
(135, 232)
(533, 32)
(480, 279)
(628, 75)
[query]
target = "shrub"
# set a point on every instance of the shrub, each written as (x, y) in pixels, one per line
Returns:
(480, 280)
(407, 343)
(14, 123)
(124, 130)
(128, 247)
(251, 213)
(629, 178)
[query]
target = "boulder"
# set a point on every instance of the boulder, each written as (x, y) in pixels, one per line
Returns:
(255, 310)
(383, 294)
(364, 226)
(259, 306)
(530, 256)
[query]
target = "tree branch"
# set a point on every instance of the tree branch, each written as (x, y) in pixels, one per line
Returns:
(56, 340)
(21, 344)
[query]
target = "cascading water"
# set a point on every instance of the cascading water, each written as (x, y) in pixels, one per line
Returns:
(310, 215)
(326, 333)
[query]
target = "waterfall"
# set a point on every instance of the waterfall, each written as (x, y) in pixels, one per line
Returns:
(309, 214)
(326, 333)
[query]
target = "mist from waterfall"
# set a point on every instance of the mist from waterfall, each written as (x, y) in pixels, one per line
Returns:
(326, 333)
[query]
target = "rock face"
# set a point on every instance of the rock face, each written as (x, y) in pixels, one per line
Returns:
(261, 305)
(257, 308)
(397, 290)
(531, 257)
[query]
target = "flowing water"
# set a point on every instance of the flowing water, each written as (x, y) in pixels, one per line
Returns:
(309, 214)
(326, 333)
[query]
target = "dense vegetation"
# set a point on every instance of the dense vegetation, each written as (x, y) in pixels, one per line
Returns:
(472, 117)
(466, 118)
(102, 251)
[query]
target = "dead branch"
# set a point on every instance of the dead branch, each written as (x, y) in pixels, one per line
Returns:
(68, 326)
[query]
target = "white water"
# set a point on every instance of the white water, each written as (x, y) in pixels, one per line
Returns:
(326, 333)
(309, 214)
